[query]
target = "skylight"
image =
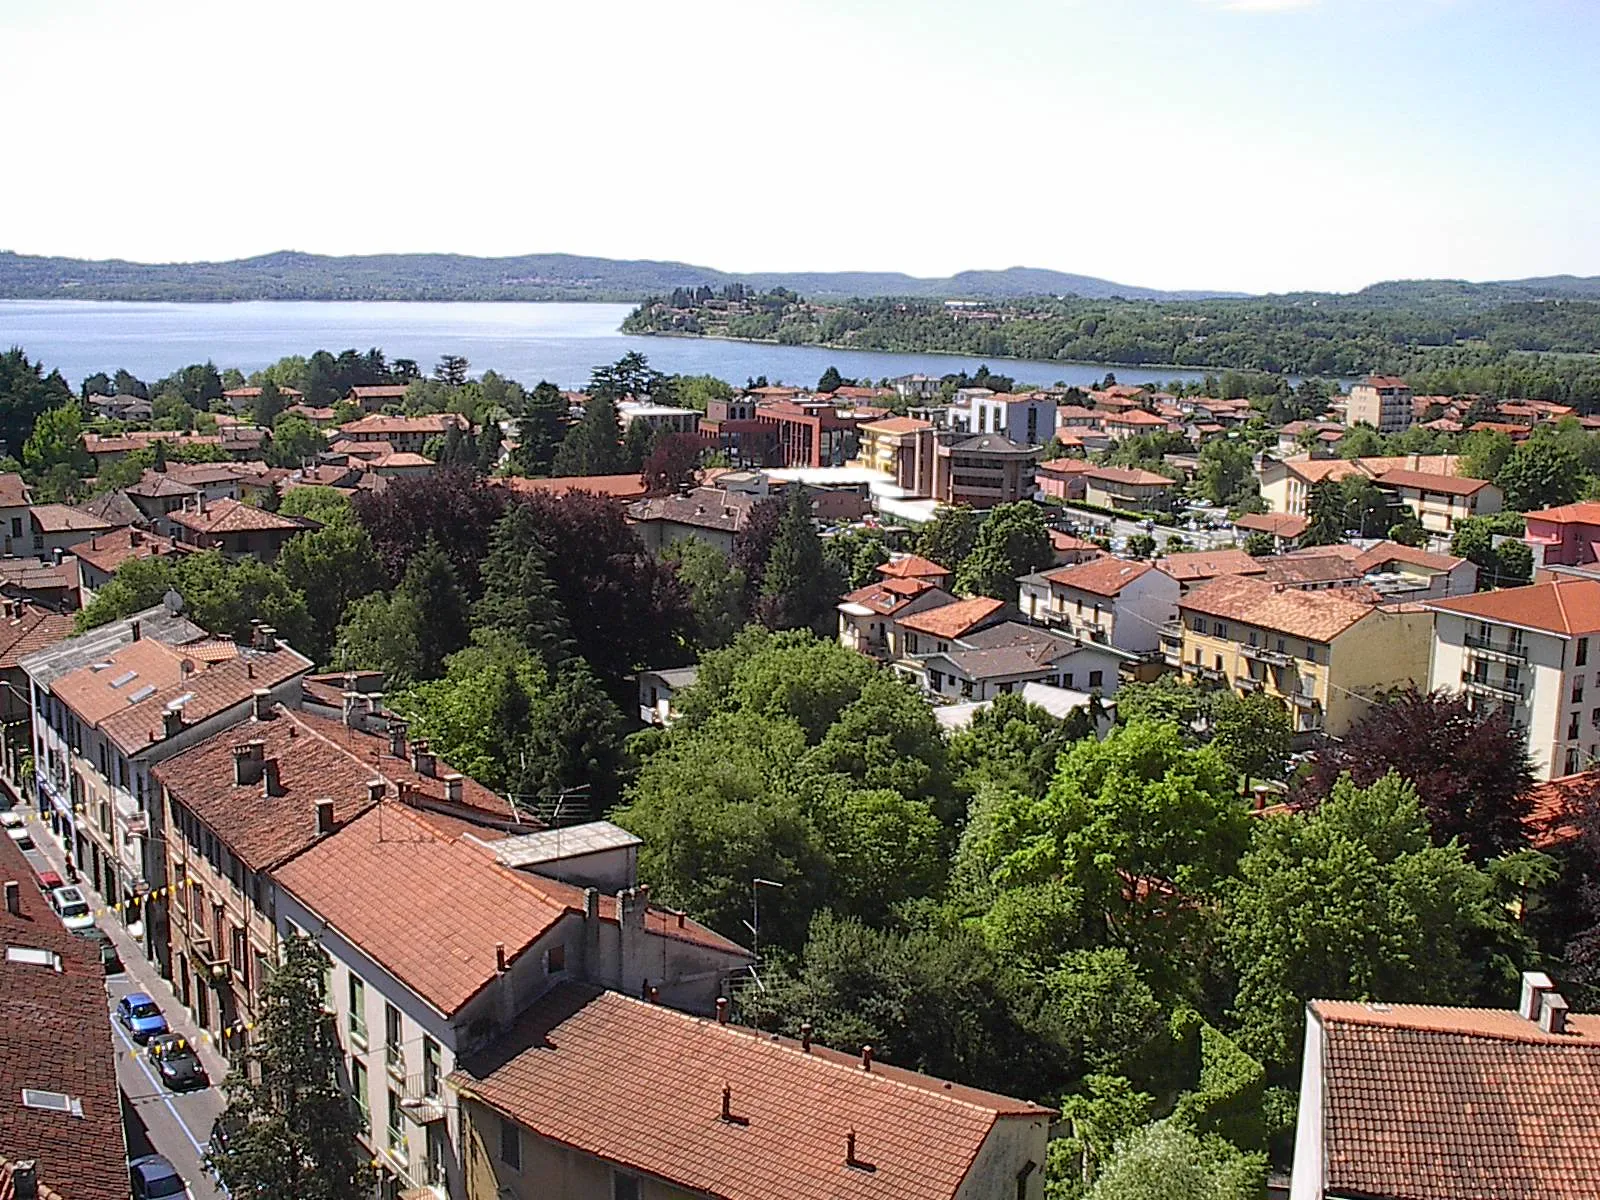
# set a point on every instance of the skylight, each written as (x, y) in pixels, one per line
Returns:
(125, 677)
(143, 693)
(33, 957)
(52, 1101)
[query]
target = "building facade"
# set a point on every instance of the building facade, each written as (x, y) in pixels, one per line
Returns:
(1381, 401)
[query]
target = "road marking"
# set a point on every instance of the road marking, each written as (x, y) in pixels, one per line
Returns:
(160, 1089)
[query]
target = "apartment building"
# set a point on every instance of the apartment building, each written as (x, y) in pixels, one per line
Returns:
(1113, 601)
(869, 616)
(1568, 535)
(15, 500)
(1381, 401)
(406, 434)
(1004, 657)
(1028, 420)
(902, 448)
(698, 1107)
(1439, 501)
(1127, 488)
(1325, 654)
(112, 704)
(1286, 483)
(1528, 650)
(984, 471)
(25, 630)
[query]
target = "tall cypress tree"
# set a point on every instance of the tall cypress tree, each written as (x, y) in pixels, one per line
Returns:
(798, 589)
(294, 1127)
(593, 445)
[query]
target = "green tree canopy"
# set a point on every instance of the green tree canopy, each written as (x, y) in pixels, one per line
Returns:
(1013, 541)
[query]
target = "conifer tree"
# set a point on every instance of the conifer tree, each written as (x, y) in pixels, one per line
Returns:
(591, 447)
(798, 589)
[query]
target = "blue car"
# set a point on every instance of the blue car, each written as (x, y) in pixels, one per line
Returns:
(154, 1178)
(139, 1015)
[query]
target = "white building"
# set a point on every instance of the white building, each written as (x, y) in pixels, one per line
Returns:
(1027, 420)
(1534, 651)
(1109, 600)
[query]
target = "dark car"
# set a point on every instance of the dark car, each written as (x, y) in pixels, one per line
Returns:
(110, 960)
(222, 1132)
(154, 1178)
(176, 1062)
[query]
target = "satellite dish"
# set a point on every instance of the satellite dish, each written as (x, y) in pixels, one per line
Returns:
(173, 601)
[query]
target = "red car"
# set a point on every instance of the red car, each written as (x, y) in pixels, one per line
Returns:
(50, 880)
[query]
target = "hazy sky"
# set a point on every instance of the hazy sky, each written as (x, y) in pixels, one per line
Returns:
(1244, 144)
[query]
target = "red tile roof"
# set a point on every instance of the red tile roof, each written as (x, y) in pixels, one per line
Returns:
(1136, 417)
(96, 691)
(1564, 604)
(1101, 576)
(33, 628)
(55, 1037)
(1585, 512)
(233, 516)
(888, 597)
(1384, 381)
(953, 620)
(1284, 525)
(13, 491)
(379, 424)
(1317, 616)
(660, 1108)
(897, 425)
(1450, 1103)
(108, 551)
(1208, 564)
(382, 391)
(1552, 806)
(1128, 475)
(618, 487)
(1453, 485)
(61, 518)
(912, 566)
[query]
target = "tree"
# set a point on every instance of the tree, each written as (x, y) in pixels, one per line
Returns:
(1540, 473)
(1484, 452)
(409, 633)
(591, 447)
(1226, 473)
(540, 431)
(98, 384)
(331, 567)
(797, 592)
(1013, 541)
(478, 715)
(1252, 732)
(267, 405)
(574, 740)
(295, 1128)
(26, 394)
(53, 454)
(491, 445)
(197, 385)
(1346, 902)
(831, 381)
(127, 384)
(1326, 511)
(1508, 564)
(451, 370)
(1470, 770)
(949, 537)
(1013, 745)
(1259, 544)
(856, 555)
(1167, 698)
(1165, 1161)
(752, 542)
(716, 590)
(454, 509)
(636, 443)
(1141, 545)
(519, 600)
(295, 441)
(672, 463)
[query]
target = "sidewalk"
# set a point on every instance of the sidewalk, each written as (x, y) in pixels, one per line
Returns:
(141, 971)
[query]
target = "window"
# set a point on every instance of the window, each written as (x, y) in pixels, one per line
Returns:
(1222, 628)
(1066, 680)
(935, 681)
(430, 1068)
(1281, 649)
(1311, 653)
(1216, 662)
(1572, 762)
(1572, 727)
(510, 1144)
(555, 959)
(1198, 624)
(358, 1010)
(358, 1092)
(1253, 637)
(397, 1124)
(911, 643)
(1583, 650)
(1577, 690)
(1096, 678)
(394, 1054)
(624, 1187)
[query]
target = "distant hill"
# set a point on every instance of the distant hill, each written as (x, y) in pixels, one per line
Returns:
(289, 275)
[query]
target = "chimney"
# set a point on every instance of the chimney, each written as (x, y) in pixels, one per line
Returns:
(135, 537)
(262, 703)
(500, 958)
(452, 788)
(727, 1103)
(397, 737)
(25, 1179)
(269, 638)
(55, 556)
(135, 630)
(13, 897)
(850, 1158)
(722, 1010)
(422, 760)
(866, 1058)
(172, 720)
(271, 785)
(805, 1036)
(352, 708)
(653, 994)
(375, 790)
(1534, 985)
(324, 815)
(591, 904)
(1552, 1013)
(247, 762)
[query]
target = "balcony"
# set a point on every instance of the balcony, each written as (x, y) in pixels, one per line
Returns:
(1505, 689)
(1273, 658)
(1303, 700)
(1513, 652)
(212, 967)
(1247, 683)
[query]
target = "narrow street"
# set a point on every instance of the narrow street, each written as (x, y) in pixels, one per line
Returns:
(176, 1125)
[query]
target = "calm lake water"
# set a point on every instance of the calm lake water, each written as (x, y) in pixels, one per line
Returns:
(527, 342)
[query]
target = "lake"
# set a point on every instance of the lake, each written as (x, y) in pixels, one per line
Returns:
(525, 341)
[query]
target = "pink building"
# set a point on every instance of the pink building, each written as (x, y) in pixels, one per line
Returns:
(1569, 535)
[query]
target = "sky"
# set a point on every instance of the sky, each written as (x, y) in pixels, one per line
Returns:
(1251, 145)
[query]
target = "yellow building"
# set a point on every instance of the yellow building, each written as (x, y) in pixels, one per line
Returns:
(1325, 654)
(1286, 483)
(901, 447)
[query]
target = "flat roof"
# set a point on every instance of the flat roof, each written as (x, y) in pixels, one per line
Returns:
(552, 845)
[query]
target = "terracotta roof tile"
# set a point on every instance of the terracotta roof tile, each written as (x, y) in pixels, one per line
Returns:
(1317, 616)
(1284, 525)
(108, 551)
(896, 425)
(1452, 485)
(1553, 805)
(659, 1109)
(1491, 1105)
(618, 487)
(1564, 604)
(233, 516)
(952, 620)
(1207, 564)
(1101, 576)
(888, 597)
(912, 566)
(1586, 512)
(381, 391)
(379, 424)
(13, 490)
(32, 629)
(62, 518)
(1132, 476)
(54, 1037)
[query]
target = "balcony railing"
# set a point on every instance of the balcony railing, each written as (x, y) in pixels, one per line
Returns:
(1304, 700)
(1504, 689)
(1248, 683)
(1275, 658)
(1506, 651)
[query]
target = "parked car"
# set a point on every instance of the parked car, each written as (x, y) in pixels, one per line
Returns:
(110, 960)
(17, 828)
(50, 880)
(138, 1014)
(154, 1178)
(72, 907)
(222, 1132)
(177, 1063)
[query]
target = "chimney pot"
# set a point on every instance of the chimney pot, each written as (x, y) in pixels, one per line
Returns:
(727, 1103)
(1534, 985)
(262, 702)
(452, 787)
(13, 897)
(25, 1179)
(270, 783)
(500, 958)
(422, 760)
(324, 816)
(805, 1036)
(722, 1010)
(866, 1058)
(653, 994)
(376, 789)
(397, 737)
(172, 720)
(1553, 1013)
(850, 1148)
(591, 903)
(135, 630)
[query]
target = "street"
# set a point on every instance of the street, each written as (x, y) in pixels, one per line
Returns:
(156, 1120)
